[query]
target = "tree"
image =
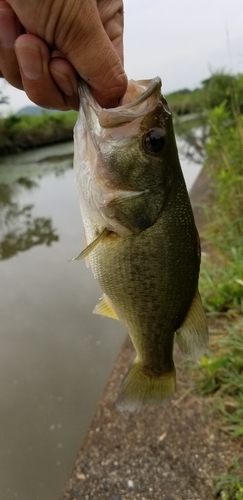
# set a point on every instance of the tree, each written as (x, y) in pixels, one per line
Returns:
(224, 88)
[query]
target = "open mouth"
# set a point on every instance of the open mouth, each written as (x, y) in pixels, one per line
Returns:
(141, 97)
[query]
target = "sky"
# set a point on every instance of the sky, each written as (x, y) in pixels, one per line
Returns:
(182, 41)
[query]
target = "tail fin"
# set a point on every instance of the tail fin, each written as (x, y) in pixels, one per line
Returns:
(139, 388)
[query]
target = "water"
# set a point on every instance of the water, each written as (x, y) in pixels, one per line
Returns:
(55, 356)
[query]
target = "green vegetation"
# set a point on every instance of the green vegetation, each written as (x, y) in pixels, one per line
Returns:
(229, 486)
(27, 131)
(222, 275)
(215, 90)
(185, 101)
(219, 374)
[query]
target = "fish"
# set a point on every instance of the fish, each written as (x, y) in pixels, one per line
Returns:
(141, 239)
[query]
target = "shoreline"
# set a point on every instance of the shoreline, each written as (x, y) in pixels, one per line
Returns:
(28, 145)
(27, 132)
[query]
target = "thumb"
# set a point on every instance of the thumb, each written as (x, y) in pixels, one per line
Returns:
(91, 40)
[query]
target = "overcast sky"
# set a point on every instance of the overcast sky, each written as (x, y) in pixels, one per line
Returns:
(182, 41)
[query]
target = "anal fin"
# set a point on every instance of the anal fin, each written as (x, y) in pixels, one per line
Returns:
(104, 308)
(192, 336)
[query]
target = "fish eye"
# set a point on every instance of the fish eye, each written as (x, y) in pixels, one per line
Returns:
(154, 140)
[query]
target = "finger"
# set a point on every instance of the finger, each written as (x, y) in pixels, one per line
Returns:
(112, 18)
(65, 78)
(10, 29)
(33, 57)
(84, 41)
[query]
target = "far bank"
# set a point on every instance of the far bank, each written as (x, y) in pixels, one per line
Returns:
(20, 133)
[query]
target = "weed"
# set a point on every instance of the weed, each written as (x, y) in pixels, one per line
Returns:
(222, 275)
(229, 486)
(219, 374)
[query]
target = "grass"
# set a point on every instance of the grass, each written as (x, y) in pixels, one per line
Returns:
(222, 273)
(229, 486)
(221, 281)
(219, 374)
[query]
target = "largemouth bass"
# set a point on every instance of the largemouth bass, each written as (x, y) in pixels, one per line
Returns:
(142, 242)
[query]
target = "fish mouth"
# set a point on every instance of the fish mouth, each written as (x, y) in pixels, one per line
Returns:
(141, 98)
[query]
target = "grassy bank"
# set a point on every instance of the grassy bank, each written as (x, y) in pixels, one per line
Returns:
(219, 374)
(18, 133)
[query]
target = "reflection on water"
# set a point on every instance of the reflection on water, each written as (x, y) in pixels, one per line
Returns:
(19, 230)
(55, 356)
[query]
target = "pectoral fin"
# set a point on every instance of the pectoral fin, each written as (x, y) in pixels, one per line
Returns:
(92, 245)
(192, 336)
(104, 308)
(136, 211)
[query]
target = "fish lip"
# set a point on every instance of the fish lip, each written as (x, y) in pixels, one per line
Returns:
(154, 86)
(115, 117)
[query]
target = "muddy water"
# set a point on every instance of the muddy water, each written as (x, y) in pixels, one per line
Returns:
(55, 356)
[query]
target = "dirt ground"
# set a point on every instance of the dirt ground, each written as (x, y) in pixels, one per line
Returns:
(169, 452)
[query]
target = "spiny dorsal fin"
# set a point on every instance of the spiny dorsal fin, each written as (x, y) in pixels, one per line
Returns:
(104, 308)
(92, 245)
(192, 336)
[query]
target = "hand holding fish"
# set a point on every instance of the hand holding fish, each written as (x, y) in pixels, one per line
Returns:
(45, 45)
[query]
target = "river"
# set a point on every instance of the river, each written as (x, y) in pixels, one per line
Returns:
(55, 356)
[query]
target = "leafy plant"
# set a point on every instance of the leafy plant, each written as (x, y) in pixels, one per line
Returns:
(229, 486)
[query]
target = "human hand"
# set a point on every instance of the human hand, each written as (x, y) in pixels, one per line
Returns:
(45, 46)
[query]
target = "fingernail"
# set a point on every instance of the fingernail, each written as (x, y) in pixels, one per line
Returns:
(29, 59)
